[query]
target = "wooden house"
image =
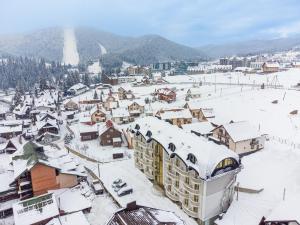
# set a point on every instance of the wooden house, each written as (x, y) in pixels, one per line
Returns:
(109, 134)
(125, 94)
(240, 137)
(205, 114)
(10, 131)
(166, 94)
(270, 67)
(175, 116)
(98, 115)
(136, 108)
(71, 105)
(37, 170)
(121, 116)
(47, 126)
(88, 132)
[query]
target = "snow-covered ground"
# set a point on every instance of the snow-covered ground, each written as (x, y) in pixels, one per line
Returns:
(274, 169)
(286, 78)
(70, 53)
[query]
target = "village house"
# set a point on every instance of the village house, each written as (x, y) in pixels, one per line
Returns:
(70, 105)
(196, 174)
(205, 114)
(109, 134)
(166, 94)
(296, 64)
(193, 93)
(11, 145)
(142, 214)
(121, 116)
(88, 132)
(70, 219)
(10, 131)
(98, 114)
(38, 210)
(200, 112)
(38, 169)
(42, 127)
(240, 137)
(270, 67)
(175, 116)
(136, 108)
(111, 103)
(201, 129)
(125, 94)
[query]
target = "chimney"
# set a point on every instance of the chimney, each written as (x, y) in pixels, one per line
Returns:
(131, 206)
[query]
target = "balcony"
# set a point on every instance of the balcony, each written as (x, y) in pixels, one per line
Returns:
(172, 175)
(181, 171)
(189, 211)
(195, 180)
(189, 188)
(182, 193)
(149, 175)
(172, 196)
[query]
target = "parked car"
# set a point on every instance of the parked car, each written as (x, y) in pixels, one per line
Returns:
(125, 191)
(119, 186)
(117, 181)
(97, 187)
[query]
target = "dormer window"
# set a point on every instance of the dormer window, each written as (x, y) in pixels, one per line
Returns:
(137, 127)
(192, 158)
(149, 134)
(172, 147)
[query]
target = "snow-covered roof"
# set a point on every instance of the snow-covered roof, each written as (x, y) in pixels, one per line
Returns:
(207, 153)
(201, 127)
(143, 215)
(6, 129)
(78, 86)
(88, 128)
(184, 113)
(33, 153)
(240, 131)
(35, 209)
(71, 200)
(271, 65)
(77, 218)
(287, 210)
(120, 112)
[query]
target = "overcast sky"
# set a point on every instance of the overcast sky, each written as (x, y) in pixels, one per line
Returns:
(190, 22)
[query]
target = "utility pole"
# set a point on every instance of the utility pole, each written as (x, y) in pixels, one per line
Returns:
(284, 194)
(99, 170)
(237, 191)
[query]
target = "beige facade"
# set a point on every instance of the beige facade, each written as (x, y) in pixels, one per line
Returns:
(202, 199)
(66, 180)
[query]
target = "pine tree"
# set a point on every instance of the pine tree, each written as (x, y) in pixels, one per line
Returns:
(95, 95)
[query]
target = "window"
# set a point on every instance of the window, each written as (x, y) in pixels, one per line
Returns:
(196, 198)
(169, 187)
(108, 136)
(108, 141)
(169, 167)
(195, 209)
(186, 202)
(196, 187)
(177, 184)
(187, 180)
(177, 162)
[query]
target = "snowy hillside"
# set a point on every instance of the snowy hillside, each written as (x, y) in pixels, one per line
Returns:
(71, 55)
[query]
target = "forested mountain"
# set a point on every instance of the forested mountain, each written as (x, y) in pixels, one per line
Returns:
(48, 44)
(251, 47)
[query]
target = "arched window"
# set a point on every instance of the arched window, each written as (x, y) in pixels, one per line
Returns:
(172, 147)
(149, 134)
(137, 127)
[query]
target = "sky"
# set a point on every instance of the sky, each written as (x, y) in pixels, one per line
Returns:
(190, 22)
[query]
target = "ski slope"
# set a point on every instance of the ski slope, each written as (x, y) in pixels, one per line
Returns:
(70, 53)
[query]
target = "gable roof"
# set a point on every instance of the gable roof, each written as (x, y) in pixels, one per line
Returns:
(240, 131)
